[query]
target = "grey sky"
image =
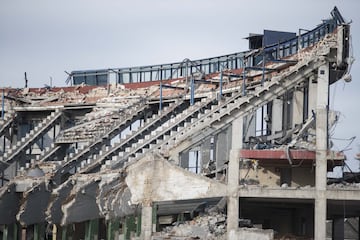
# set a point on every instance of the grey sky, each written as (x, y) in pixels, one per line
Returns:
(44, 38)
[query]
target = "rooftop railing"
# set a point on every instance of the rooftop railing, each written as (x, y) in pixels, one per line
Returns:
(207, 65)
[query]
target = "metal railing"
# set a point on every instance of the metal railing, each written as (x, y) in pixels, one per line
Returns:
(208, 65)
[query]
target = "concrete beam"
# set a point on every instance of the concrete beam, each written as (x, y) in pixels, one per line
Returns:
(343, 194)
(290, 193)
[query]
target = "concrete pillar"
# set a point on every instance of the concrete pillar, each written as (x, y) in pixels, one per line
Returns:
(54, 232)
(312, 94)
(321, 151)
(237, 133)
(233, 178)
(250, 126)
(184, 159)
(146, 221)
(233, 194)
(205, 152)
(338, 229)
(23, 234)
(298, 100)
(277, 113)
(223, 145)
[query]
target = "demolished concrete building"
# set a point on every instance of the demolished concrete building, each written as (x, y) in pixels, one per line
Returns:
(229, 147)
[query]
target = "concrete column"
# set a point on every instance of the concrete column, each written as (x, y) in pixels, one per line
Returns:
(23, 234)
(338, 229)
(184, 159)
(233, 194)
(277, 113)
(233, 178)
(146, 221)
(223, 146)
(298, 107)
(321, 151)
(250, 126)
(237, 133)
(312, 95)
(205, 152)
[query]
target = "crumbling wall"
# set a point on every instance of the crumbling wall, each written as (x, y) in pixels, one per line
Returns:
(258, 175)
(153, 178)
(251, 173)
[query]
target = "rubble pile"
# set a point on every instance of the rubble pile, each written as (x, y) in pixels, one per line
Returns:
(93, 124)
(210, 226)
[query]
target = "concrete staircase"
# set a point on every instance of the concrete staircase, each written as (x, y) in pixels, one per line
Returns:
(133, 138)
(6, 122)
(121, 153)
(29, 139)
(203, 119)
(93, 147)
(237, 106)
(99, 124)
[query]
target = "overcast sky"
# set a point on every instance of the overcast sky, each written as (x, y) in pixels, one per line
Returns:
(45, 38)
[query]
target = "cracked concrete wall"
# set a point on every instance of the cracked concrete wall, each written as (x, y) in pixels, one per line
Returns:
(271, 176)
(263, 175)
(155, 179)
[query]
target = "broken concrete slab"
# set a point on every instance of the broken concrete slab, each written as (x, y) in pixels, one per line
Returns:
(36, 200)
(9, 203)
(81, 204)
(153, 178)
(54, 213)
(114, 197)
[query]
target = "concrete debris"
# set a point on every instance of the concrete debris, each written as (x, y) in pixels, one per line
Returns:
(96, 123)
(211, 226)
(344, 185)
